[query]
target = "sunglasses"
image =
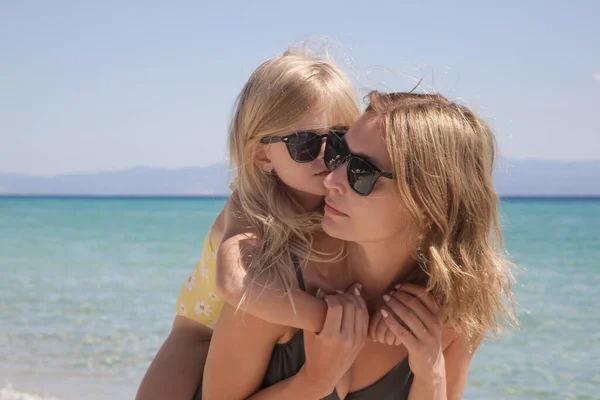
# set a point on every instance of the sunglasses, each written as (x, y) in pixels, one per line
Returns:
(304, 146)
(362, 174)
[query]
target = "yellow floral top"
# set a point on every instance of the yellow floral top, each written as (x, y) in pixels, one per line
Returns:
(198, 299)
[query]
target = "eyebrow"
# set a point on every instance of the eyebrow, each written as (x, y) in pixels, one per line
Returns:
(365, 156)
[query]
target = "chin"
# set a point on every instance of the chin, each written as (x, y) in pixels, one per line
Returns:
(331, 228)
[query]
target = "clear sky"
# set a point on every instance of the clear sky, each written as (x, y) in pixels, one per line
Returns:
(91, 86)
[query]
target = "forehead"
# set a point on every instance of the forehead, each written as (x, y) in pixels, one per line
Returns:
(319, 117)
(367, 137)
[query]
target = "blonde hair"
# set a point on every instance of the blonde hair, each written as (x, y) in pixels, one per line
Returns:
(278, 95)
(442, 156)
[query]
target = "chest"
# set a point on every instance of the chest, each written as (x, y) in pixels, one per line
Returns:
(374, 362)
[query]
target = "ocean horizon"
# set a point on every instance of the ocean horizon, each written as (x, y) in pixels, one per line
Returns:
(88, 288)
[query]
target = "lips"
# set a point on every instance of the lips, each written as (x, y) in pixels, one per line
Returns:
(323, 173)
(330, 208)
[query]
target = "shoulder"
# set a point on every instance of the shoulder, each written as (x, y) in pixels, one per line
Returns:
(457, 346)
(233, 248)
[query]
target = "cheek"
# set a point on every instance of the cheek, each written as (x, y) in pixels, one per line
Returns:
(280, 158)
(374, 218)
(292, 171)
(378, 218)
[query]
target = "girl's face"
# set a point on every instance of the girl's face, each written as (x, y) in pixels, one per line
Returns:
(296, 157)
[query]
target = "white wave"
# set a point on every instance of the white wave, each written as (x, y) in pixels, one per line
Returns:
(8, 393)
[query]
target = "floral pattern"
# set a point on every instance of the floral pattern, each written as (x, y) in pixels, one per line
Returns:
(198, 299)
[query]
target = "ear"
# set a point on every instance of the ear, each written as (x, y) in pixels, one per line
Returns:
(262, 159)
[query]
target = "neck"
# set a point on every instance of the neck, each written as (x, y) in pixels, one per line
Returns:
(378, 266)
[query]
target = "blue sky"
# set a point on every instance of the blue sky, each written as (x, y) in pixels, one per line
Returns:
(94, 86)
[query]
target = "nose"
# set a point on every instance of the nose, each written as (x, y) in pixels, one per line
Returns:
(335, 181)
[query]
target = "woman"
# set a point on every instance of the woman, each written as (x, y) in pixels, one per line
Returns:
(411, 193)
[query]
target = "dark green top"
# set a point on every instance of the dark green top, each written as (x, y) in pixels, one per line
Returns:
(288, 358)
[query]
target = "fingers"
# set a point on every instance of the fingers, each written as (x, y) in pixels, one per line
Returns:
(422, 294)
(356, 305)
(361, 326)
(407, 316)
(390, 338)
(362, 316)
(429, 320)
(404, 336)
(375, 320)
(333, 319)
(348, 318)
(380, 331)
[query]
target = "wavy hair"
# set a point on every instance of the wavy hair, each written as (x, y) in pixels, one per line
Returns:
(443, 156)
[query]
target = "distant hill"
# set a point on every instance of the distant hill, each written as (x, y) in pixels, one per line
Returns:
(512, 178)
(140, 181)
(547, 178)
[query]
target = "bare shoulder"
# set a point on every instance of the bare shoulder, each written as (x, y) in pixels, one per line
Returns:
(217, 230)
(235, 220)
(449, 335)
(456, 345)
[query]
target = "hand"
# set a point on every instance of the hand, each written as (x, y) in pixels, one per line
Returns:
(331, 352)
(422, 330)
(378, 329)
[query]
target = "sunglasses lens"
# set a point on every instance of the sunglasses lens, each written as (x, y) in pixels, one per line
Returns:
(361, 176)
(336, 152)
(304, 146)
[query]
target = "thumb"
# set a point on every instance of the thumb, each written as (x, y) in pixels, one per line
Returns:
(355, 289)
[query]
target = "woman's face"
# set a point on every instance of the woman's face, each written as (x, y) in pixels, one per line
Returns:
(303, 178)
(379, 216)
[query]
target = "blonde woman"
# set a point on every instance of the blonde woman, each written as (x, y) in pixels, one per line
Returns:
(411, 194)
(288, 107)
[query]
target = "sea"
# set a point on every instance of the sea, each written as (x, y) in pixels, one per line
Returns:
(88, 289)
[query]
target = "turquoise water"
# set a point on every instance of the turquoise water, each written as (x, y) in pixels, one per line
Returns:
(87, 292)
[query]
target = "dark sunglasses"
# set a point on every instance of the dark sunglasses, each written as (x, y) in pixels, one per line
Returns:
(304, 146)
(362, 174)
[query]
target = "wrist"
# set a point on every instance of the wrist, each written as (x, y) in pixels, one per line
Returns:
(436, 377)
(313, 386)
(434, 383)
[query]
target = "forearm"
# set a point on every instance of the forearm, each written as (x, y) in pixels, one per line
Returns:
(274, 306)
(176, 371)
(428, 389)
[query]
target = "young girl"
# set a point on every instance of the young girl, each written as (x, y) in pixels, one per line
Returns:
(285, 111)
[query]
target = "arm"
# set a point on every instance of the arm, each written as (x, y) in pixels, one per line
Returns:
(263, 300)
(176, 370)
(457, 359)
(267, 303)
(242, 346)
(240, 353)
(440, 372)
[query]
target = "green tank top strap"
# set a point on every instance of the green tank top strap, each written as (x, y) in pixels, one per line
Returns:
(299, 276)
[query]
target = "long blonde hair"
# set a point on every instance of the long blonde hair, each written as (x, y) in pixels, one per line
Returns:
(443, 156)
(276, 97)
